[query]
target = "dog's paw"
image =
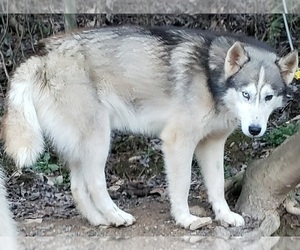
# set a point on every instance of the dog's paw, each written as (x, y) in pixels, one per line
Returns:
(193, 222)
(231, 218)
(118, 217)
(97, 220)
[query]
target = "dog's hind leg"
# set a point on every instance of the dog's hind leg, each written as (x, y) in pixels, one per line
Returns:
(82, 197)
(210, 154)
(83, 138)
(95, 148)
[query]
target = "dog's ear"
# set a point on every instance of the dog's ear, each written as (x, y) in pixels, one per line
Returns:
(288, 66)
(236, 57)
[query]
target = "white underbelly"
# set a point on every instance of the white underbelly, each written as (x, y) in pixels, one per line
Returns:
(149, 118)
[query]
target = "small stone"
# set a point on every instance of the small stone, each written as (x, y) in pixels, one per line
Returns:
(31, 221)
(201, 222)
(134, 159)
(114, 188)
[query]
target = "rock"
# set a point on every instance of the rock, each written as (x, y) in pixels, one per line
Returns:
(201, 222)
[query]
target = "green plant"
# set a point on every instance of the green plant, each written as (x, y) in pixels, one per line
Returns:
(46, 165)
(276, 29)
(227, 171)
(277, 136)
(49, 166)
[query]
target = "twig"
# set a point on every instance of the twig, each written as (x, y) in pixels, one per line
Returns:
(296, 118)
(30, 34)
(4, 66)
(16, 173)
(6, 27)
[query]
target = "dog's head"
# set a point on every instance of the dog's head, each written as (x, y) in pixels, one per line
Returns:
(257, 82)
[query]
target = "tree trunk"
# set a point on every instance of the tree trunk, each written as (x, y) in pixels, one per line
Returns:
(70, 16)
(267, 181)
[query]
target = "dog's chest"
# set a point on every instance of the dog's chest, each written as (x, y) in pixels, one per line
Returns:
(219, 123)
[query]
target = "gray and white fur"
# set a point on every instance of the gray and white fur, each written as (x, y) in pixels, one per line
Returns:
(190, 88)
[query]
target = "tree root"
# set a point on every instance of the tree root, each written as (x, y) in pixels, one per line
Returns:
(268, 226)
(290, 206)
(234, 181)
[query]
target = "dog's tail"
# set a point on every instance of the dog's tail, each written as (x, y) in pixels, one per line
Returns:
(21, 130)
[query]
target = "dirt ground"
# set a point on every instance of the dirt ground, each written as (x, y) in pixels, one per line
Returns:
(46, 210)
(43, 210)
(154, 229)
(153, 219)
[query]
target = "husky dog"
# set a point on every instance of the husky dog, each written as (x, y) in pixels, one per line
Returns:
(190, 88)
(8, 232)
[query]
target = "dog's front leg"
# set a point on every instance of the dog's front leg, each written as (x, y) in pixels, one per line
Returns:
(210, 153)
(178, 149)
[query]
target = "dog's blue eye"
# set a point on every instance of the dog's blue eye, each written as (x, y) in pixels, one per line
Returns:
(246, 95)
(268, 98)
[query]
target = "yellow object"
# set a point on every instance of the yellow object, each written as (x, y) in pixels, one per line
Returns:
(297, 74)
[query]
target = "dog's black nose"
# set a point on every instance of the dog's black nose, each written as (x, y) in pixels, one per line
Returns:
(254, 130)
